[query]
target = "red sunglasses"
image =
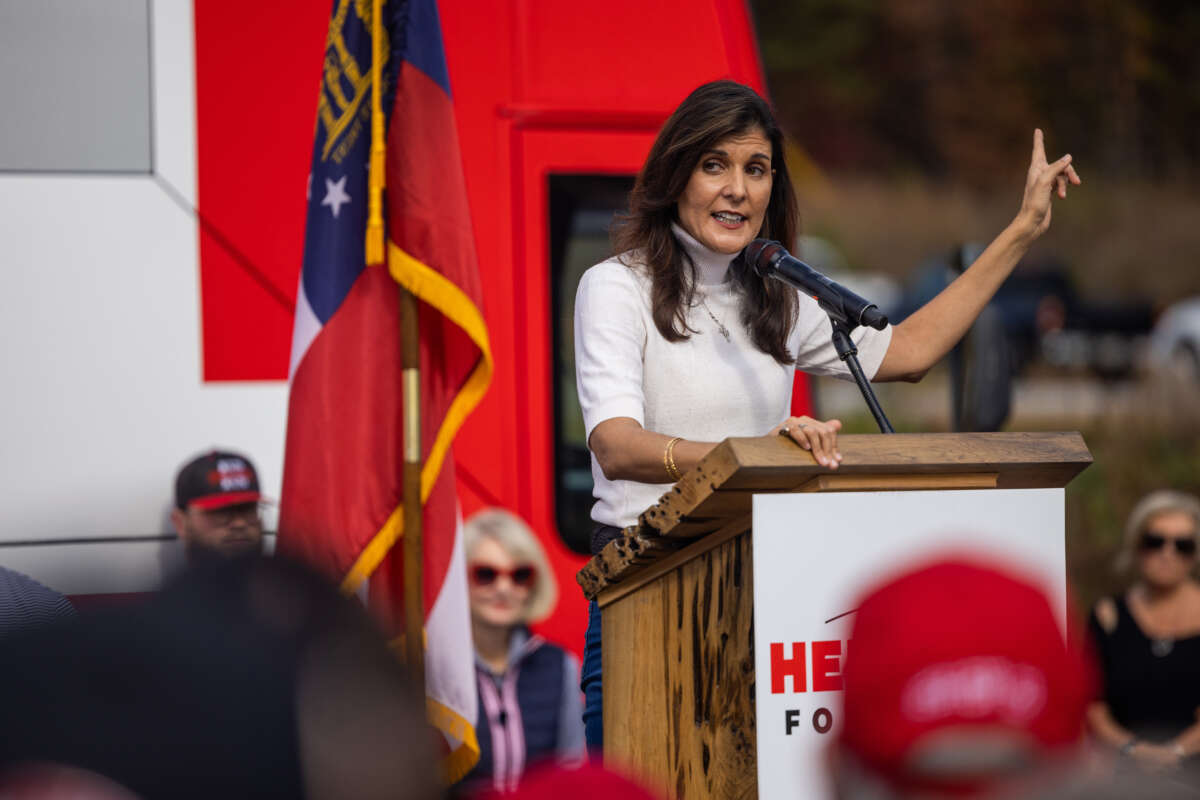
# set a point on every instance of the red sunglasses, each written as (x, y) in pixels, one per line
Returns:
(486, 575)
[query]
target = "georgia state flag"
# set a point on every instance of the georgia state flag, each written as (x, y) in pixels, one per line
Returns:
(342, 496)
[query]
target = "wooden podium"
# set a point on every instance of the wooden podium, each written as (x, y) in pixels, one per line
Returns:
(676, 589)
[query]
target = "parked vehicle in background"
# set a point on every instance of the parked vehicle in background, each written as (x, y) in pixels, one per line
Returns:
(1044, 315)
(981, 379)
(825, 257)
(1175, 340)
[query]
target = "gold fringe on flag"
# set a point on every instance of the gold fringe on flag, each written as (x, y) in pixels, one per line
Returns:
(458, 762)
(375, 180)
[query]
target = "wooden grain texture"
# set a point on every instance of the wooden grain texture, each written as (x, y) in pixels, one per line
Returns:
(677, 613)
(696, 484)
(614, 592)
(690, 528)
(901, 483)
(628, 552)
(679, 678)
(721, 485)
(1020, 460)
(724, 504)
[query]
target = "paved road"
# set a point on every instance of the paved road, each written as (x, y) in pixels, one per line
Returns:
(1038, 402)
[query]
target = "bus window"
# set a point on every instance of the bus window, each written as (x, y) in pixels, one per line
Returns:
(581, 212)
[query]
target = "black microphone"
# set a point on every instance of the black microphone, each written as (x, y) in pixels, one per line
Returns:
(771, 260)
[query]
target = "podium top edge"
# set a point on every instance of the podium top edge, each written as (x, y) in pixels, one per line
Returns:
(719, 487)
(901, 450)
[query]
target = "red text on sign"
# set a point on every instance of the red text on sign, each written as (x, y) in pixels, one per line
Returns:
(825, 662)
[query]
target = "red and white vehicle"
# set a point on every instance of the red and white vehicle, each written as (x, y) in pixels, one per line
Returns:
(150, 291)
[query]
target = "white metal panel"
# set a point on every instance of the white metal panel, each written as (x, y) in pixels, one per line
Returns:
(100, 336)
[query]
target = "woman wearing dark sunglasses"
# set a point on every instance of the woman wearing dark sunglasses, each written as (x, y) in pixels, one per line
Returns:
(530, 708)
(1148, 641)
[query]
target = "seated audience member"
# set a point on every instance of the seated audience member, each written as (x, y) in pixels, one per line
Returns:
(1148, 643)
(958, 682)
(27, 605)
(216, 507)
(530, 708)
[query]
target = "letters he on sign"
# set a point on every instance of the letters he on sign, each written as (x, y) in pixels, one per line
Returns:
(788, 660)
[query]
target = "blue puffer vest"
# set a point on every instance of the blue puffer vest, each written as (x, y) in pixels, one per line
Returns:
(518, 711)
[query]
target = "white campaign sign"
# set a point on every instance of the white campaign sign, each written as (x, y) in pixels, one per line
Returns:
(815, 553)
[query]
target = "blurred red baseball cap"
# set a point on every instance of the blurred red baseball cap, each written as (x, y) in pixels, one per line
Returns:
(587, 782)
(958, 677)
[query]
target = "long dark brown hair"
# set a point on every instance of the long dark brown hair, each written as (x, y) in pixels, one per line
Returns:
(711, 113)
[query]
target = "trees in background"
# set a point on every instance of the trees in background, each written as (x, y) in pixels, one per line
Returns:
(952, 89)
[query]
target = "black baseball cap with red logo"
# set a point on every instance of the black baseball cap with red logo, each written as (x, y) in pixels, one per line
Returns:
(215, 480)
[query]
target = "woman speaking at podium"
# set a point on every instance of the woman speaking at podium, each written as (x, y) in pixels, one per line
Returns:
(679, 344)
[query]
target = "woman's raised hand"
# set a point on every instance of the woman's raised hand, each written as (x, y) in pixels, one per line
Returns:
(1043, 181)
(815, 435)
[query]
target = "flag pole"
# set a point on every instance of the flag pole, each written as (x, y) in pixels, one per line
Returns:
(410, 363)
(414, 603)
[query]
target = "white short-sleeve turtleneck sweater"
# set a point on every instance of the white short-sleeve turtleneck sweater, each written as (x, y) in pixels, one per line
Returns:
(703, 388)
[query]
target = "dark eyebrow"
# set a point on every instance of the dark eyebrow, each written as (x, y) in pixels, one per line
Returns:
(716, 152)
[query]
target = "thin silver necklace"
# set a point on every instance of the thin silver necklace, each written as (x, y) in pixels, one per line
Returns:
(720, 325)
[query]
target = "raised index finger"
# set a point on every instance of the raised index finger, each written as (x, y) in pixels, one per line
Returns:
(1039, 148)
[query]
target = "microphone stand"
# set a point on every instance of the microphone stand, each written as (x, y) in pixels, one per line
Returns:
(847, 352)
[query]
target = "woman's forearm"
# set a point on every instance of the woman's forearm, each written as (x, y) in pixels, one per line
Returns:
(1106, 729)
(929, 333)
(628, 452)
(1187, 744)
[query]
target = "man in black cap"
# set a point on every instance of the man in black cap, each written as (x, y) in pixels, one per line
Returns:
(216, 506)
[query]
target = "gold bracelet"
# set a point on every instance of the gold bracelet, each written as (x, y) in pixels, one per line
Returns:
(669, 459)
